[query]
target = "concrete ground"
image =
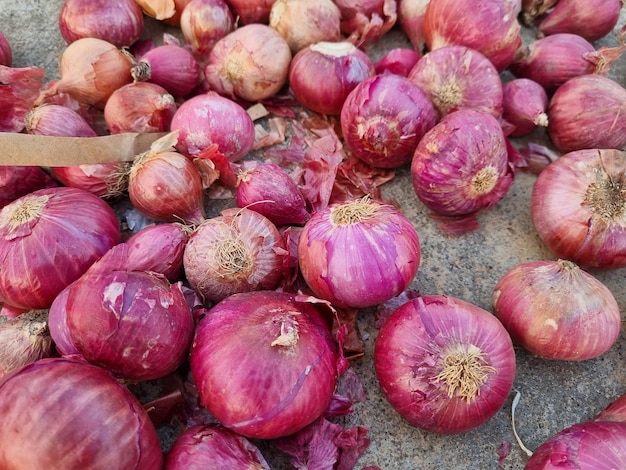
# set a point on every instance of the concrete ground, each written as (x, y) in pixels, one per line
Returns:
(553, 394)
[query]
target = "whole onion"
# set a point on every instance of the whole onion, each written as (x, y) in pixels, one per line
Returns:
(168, 11)
(120, 22)
(203, 23)
(590, 19)
(578, 208)
(18, 181)
(202, 446)
(251, 11)
(411, 21)
(399, 60)
(556, 310)
(209, 118)
(365, 22)
(457, 76)
(461, 165)
(489, 26)
(250, 63)
(358, 253)
(57, 120)
(265, 363)
(444, 364)
(237, 251)
(384, 117)
(48, 239)
(65, 414)
(6, 53)
(524, 106)
(588, 112)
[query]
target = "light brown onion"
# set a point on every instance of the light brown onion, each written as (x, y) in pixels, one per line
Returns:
(590, 19)
(203, 23)
(533, 9)
(57, 120)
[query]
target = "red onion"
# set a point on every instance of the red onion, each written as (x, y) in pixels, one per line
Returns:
(340, 65)
(444, 364)
(265, 362)
(165, 186)
(139, 107)
(237, 251)
(489, 26)
(168, 11)
(524, 106)
(6, 53)
(578, 208)
(171, 66)
(411, 21)
(556, 310)
(63, 413)
(203, 23)
(457, 76)
(250, 63)
(213, 447)
(358, 253)
(591, 19)
(208, 119)
(18, 181)
(399, 60)
(19, 91)
(57, 120)
(269, 190)
(251, 11)
(383, 119)
(57, 324)
(533, 9)
(48, 239)
(120, 22)
(588, 112)
(461, 165)
(365, 22)
(306, 22)
(23, 340)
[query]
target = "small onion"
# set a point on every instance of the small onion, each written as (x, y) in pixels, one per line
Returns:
(590, 19)
(399, 60)
(340, 65)
(168, 11)
(238, 251)
(358, 253)
(251, 11)
(524, 106)
(120, 22)
(57, 120)
(578, 208)
(444, 364)
(588, 112)
(556, 310)
(208, 119)
(65, 414)
(18, 181)
(458, 76)
(265, 363)
(383, 119)
(461, 165)
(365, 22)
(213, 447)
(6, 53)
(250, 63)
(411, 21)
(203, 23)
(48, 239)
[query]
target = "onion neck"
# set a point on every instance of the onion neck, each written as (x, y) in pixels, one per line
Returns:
(353, 212)
(26, 211)
(233, 257)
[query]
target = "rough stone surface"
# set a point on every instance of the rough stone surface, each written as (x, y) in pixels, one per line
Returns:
(553, 394)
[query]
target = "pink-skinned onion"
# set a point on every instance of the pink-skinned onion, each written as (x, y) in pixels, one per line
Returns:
(203, 23)
(444, 364)
(524, 106)
(63, 413)
(358, 253)
(265, 363)
(18, 181)
(251, 11)
(399, 60)
(590, 19)
(6, 53)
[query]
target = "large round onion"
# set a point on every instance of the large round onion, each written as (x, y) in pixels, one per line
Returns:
(358, 253)
(444, 364)
(48, 239)
(264, 362)
(65, 414)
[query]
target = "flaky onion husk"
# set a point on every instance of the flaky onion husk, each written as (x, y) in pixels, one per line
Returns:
(556, 310)
(578, 208)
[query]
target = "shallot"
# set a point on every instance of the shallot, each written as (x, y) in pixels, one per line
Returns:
(203, 23)
(590, 19)
(524, 106)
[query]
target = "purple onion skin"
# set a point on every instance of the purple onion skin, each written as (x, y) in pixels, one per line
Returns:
(6, 53)
(65, 414)
(57, 322)
(18, 181)
(264, 362)
(591, 19)
(202, 447)
(588, 445)
(461, 165)
(409, 353)
(383, 119)
(525, 106)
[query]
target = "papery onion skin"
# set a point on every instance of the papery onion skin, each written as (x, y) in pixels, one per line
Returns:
(359, 253)
(457, 76)
(209, 118)
(18, 181)
(383, 119)
(6, 53)
(588, 445)
(264, 362)
(73, 226)
(579, 209)
(411, 21)
(58, 414)
(238, 251)
(200, 447)
(489, 26)
(556, 310)
(203, 23)
(461, 165)
(365, 22)
(587, 112)
(341, 65)
(120, 22)
(410, 363)
(524, 106)
(591, 19)
(20, 90)
(251, 11)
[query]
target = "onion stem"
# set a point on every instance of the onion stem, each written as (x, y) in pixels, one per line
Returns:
(28, 210)
(232, 256)
(354, 212)
(288, 334)
(517, 438)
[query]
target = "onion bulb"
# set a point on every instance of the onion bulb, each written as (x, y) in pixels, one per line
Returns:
(251, 11)
(6, 53)
(524, 106)
(411, 21)
(18, 181)
(203, 23)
